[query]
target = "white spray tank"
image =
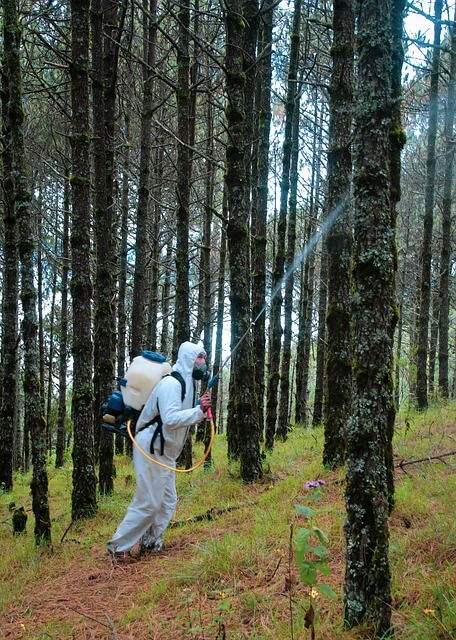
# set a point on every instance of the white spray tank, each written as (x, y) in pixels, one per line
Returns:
(142, 375)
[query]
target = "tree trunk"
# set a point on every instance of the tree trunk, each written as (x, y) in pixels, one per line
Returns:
(123, 265)
(40, 335)
(34, 422)
(446, 220)
(63, 342)
(184, 163)
(242, 425)
(321, 341)
(219, 331)
(182, 312)
(301, 388)
(367, 593)
(123, 253)
(283, 425)
(338, 371)
(104, 20)
(165, 305)
(10, 291)
(138, 329)
(275, 326)
(433, 339)
(397, 141)
(260, 202)
(51, 356)
(84, 479)
(426, 251)
(307, 282)
(155, 247)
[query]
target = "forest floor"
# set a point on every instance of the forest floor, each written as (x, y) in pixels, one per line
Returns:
(229, 570)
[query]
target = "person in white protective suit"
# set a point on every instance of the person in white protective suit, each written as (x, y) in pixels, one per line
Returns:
(155, 498)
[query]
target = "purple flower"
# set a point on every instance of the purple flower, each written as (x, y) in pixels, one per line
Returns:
(314, 484)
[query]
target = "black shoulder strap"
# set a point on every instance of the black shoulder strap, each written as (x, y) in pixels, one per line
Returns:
(178, 376)
(158, 432)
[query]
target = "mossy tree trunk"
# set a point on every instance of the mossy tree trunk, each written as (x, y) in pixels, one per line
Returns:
(338, 366)
(397, 142)
(182, 311)
(301, 376)
(283, 423)
(260, 200)
(123, 264)
(221, 281)
(138, 315)
(242, 423)
(84, 479)
(102, 349)
(123, 249)
(306, 300)
(275, 325)
(111, 23)
(184, 102)
(426, 249)
(165, 299)
(183, 163)
(446, 219)
(34, 421)
(367, 592)
(63, 330)
(434, 315)
(317, 416)
(156, 244)
(10, 291)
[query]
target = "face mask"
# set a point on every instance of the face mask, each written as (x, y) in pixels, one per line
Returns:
(201, 372)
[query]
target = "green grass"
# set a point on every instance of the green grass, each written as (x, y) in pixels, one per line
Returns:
(235, 575)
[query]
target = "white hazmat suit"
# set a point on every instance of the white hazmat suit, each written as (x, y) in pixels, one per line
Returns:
(155, 498)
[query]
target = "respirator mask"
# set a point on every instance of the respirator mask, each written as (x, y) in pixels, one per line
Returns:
(201, 372)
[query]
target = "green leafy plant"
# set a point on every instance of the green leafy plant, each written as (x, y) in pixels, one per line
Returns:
(313, 556)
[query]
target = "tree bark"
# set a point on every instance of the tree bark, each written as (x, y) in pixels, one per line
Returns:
(138, 328)
(242, 424)
(367, 591)
(105, 30)
(275, 325)
(84, 480)
(444, 288)
(34, 422)
(426, 251)
(283, 424)
(182, 311)
(10, 292)
(338, 369)
(260, 201)
(63, 343)
(219, 330)
(321, 341)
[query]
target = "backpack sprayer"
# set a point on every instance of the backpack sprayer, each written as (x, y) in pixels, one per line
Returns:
(123, 407)
(126, 404)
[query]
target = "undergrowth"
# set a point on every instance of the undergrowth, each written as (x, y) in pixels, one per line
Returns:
(230, 569)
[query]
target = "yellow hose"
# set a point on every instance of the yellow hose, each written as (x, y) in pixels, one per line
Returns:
(165, 466)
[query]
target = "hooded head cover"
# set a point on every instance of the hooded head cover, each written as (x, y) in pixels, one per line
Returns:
(188, 353)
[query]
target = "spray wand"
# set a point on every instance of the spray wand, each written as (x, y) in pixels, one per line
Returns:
(328, 222)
